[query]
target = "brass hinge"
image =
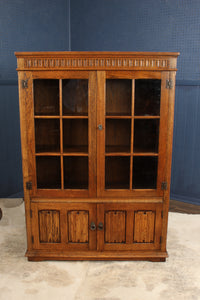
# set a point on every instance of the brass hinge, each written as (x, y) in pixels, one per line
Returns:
(32, 239)
(164, 186)
(29, 185)
(24, 83)
(169, 84)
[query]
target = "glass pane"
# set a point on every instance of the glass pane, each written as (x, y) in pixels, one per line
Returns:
(146, 134)
(46, 97)
(117, 172)
(118, 135)
(75, 97)
(47, 135)
(75, 172)
(118, 97)
(147, 97)
(75, 135)
(48, 172)
(145, 172)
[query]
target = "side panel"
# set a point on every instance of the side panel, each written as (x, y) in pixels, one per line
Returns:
(171, 95)
(24, 106)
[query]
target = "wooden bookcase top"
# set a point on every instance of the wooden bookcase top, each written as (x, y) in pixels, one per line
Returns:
(152, 61)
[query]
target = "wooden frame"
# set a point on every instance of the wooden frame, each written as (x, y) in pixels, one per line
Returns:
(73, 224)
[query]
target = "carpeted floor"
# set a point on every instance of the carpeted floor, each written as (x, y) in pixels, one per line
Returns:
(178, 278)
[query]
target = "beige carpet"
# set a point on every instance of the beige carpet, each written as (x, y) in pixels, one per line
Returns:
(178, 278)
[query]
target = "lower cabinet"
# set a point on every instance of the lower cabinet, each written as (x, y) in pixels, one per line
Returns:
(96, 227)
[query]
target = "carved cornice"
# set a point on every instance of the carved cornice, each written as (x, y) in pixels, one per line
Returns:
(95, 61)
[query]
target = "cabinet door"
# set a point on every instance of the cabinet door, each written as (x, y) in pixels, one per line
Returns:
(132, 137)
(61, 226)
(129, 226)
(62, 139)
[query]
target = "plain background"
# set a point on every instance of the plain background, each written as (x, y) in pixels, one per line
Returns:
(104, 25)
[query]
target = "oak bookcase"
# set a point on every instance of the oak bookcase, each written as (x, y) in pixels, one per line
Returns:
(96, 135)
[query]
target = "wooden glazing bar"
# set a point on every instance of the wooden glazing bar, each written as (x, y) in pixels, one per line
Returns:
(47, 154)
(118, 117)
(117, 154)
(132, 132)
(147, 117)
(75, 154)
(145, 154)
(61, 135)
(62, 172)
(47, 117)
(75, 117)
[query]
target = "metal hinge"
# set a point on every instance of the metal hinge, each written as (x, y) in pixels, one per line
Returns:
(164, 186)
(31, 213)
(24, 83)
(32, 238)
(161, 240)
(162, 214)
(29, 185)
(169, 84)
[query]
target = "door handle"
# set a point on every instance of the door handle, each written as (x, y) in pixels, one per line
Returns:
(92, 226)
(100, 226)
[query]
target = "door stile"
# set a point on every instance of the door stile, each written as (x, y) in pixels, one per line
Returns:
(92, 134)
(162, 132)
(31, 135)
(100, 132)
(92, 234)
(100, 233)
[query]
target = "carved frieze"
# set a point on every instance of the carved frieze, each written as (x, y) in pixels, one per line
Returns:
(95, 61)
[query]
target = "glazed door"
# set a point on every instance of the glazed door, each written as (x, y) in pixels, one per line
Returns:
(132, 131)
(63, 134)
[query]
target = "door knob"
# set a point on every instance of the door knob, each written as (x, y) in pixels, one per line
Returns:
(92, 226)
(100, 127)
(100, 226)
